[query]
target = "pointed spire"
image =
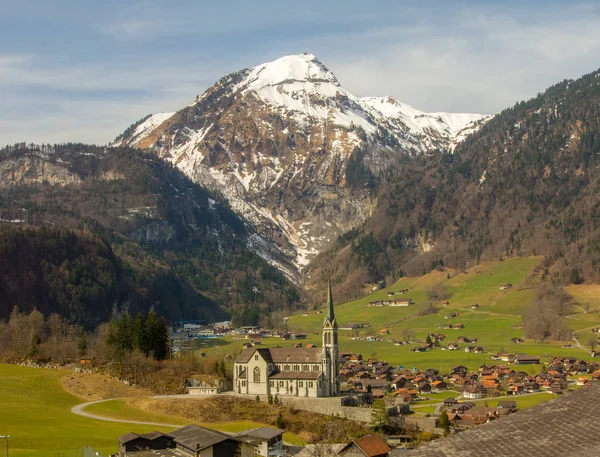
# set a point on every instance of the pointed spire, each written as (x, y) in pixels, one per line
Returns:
(330, 315)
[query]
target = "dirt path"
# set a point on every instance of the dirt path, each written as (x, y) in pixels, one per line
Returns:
(79, 410)
(577, 341)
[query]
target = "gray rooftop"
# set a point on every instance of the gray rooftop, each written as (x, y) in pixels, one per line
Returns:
(265, 433)
(297, 375)
(566, 426)
(283, 355)
(189, 435)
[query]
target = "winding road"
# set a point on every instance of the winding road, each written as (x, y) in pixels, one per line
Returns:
(79, 410)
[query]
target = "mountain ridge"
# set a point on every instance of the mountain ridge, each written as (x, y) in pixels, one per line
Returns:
(525, 183)
(181, 249)
(265, 135)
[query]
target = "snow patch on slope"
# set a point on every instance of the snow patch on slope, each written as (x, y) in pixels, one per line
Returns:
(146, 127)
(446, 126)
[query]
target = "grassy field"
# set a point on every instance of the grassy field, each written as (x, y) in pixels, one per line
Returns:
(120, 409)
(36, 414)
(523, 401)
(494, 323)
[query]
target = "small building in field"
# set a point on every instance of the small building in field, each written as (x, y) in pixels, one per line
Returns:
(267, 441)
(132, 442)
(203, 390)
(524, 359)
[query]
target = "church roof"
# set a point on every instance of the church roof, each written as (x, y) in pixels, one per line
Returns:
(283, 355)
(297, 375)
(330, 314)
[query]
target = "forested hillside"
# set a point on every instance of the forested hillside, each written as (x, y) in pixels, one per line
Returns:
(124, 229)
(527, 182)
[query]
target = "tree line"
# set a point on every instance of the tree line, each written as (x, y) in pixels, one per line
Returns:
(54, 339)
(147, 334)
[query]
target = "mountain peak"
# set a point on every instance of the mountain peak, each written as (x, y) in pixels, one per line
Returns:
(298, 68)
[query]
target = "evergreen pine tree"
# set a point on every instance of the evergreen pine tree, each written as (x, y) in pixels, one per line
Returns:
(140, 334)
(82, 345)
(445, 423)
(379, 416)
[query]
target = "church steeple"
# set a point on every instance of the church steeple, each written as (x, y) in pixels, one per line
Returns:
(331, 358)
(330, 316)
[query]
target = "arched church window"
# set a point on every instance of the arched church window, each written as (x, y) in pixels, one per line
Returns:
(257, 374)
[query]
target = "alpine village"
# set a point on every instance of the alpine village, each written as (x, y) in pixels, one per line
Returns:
(279, 267)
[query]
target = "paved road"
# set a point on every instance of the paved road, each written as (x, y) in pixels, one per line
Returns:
(79, 410)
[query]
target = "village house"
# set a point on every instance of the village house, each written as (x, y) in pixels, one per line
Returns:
(203, 390)
(438, 386)
(266, 441)
(472, 391)
(450, 403)
(193, 441)
(507, 404)
(367, 446)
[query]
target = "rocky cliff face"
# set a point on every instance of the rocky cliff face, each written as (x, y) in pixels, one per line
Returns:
(36, 168)
(293, 152)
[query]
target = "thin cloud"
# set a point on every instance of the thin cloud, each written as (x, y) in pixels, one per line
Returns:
(146, 57)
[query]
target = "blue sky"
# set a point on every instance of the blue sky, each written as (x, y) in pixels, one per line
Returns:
(85, 70)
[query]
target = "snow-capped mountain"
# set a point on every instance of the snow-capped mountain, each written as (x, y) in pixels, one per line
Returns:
(293, 152)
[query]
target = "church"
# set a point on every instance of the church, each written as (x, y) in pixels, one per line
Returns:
(300, 372)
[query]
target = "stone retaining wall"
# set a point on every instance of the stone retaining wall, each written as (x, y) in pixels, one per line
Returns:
(327, 405)
(332, 406)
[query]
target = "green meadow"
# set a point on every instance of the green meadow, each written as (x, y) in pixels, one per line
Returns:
(36, 413)
(494, 323)
(523, 401)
